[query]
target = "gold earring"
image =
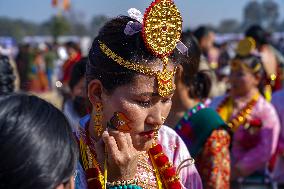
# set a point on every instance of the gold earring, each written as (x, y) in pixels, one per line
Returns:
(156, 133)
(98, 117)
(163, 119)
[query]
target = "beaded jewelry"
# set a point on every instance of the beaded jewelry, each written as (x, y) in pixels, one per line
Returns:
(98, 117)
(123, 183)
(241, 117)
(125, 187)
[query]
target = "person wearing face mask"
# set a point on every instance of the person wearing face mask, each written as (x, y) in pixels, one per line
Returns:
(130, 77)
(77, 106)
(252, 120)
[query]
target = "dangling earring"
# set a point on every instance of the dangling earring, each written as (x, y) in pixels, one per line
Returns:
(163, 119)
(98, 117)
(156, 134)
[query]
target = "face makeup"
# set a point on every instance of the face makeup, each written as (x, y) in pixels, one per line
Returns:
(119, 122)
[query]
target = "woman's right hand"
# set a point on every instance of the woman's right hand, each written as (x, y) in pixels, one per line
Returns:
(122, 157)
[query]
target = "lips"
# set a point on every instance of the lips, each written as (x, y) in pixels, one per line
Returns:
(147, 133)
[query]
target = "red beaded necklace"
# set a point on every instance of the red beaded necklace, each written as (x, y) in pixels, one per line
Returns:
(165, 172)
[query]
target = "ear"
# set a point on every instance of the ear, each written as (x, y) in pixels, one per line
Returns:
(61, 186)
(257, 78)
(178, 75)
(69, 185)
(95, 89)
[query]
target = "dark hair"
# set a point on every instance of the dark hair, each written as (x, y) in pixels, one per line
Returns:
(258, 34)
(78, 72)
(36, 144)
(130, 48)
(194, 52)
(199, 83)
(7, 76)
(72, 45)
(251, 61)
(201, 32)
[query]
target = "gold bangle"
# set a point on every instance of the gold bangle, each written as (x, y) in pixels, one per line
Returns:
(123, 182)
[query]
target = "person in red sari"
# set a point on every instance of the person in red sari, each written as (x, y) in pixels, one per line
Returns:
(74, 54)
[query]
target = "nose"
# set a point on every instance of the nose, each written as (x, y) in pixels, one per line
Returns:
(155, 117)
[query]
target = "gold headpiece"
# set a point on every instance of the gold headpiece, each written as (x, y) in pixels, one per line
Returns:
(246, 46)
(162, 27)
(236, 64)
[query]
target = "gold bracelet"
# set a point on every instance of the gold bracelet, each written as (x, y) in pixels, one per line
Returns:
(123, 182)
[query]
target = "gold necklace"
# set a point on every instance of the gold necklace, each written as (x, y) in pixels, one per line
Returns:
(225, 110)
(145, 168)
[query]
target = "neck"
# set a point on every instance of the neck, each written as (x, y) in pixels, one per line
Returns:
(178, 109)
(246, 97)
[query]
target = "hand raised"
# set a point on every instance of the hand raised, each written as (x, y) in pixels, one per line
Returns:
(122, 156)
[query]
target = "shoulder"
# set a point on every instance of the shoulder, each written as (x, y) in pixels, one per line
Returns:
(216, 101)
(278, 97)
(178, 153)
(68, 105)
(172, 143)
(80, 178)
(263, 105)
(168, 136)
(166, 130)
(266, 112)
(80, 130)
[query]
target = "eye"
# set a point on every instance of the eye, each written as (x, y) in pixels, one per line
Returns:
(144, 103)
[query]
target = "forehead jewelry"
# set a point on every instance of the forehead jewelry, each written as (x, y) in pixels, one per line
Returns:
(161, 31)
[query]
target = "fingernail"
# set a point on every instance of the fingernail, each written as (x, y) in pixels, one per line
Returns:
(105, 133)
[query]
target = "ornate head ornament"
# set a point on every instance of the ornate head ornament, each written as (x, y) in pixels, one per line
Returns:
(245, 47)
(161, 30)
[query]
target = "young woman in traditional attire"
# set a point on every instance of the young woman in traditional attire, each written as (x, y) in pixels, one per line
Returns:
(252, 120)
(202, 129)
(130, 76)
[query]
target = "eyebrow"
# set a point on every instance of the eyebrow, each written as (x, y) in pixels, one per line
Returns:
(154, 94)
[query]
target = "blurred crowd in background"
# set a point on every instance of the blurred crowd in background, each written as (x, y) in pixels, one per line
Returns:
(43, 66)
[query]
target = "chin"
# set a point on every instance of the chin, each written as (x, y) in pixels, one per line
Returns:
(143, 146)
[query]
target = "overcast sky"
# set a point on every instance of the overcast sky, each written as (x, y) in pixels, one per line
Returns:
(194, 12)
